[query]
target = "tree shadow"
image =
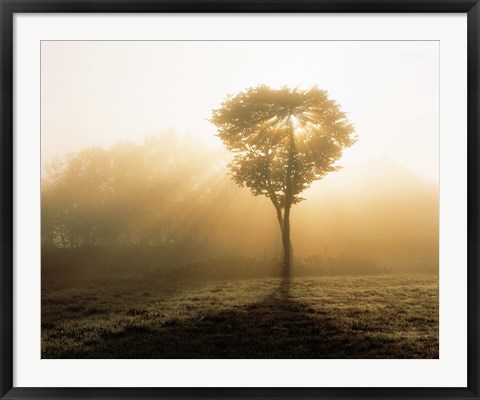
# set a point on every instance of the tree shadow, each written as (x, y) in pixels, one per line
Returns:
(276, 327)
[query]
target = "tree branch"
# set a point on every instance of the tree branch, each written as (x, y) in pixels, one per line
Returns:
(249, 148)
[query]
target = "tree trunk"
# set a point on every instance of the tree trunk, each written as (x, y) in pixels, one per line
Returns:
(287, 244)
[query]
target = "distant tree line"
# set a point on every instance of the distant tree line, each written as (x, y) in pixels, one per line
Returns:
(150, 194)
(169, 202)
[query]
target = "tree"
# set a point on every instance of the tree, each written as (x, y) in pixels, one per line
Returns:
(283, 140)
(127, 195)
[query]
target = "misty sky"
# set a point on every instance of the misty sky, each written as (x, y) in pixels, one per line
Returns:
(98, 93)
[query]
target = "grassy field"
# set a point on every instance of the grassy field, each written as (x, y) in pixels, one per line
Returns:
(384, 316)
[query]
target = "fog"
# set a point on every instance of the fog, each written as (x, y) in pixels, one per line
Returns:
(171, 202)
(114, 176)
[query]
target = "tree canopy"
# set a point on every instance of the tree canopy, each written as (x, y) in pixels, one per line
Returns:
(256, 125)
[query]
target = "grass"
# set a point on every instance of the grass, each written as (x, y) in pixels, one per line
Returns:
(384, 316)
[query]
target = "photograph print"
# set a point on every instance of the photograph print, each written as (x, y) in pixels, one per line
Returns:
(239, 199)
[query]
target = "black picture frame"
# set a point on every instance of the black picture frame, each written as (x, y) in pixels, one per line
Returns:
(9, 8)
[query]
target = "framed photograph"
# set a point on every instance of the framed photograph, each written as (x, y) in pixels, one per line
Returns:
(227, 199)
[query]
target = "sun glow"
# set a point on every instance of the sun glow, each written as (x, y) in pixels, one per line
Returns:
(295, 123)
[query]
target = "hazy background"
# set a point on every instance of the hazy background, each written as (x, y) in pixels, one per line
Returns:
(157, 177)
